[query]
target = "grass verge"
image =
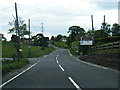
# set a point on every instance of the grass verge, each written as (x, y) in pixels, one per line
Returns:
(36, 51)
(9, 50)
(61, 44)
(9, 65)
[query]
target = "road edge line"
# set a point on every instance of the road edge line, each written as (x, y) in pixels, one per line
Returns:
(95, 65)
(8, 81)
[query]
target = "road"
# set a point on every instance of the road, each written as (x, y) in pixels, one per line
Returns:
(61, 70)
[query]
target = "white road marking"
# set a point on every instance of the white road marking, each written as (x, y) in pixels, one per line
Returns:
(61, 68)
(104, 67)
(73, 82)
(56, 58)
(45, 55)
(69, 53)
(57, 61)
(18, 75)
(94, 65)
(90, 64)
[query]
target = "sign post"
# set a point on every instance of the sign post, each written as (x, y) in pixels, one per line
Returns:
(86, 42)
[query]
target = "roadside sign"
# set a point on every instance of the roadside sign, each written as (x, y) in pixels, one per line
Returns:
(75, 45)
(86, 41)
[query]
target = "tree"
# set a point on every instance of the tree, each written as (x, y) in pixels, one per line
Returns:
(22, 28)
(52, 39)
(105, 28)
(89, 33)
(115, 29)
(14, 38)
(100, 34)
(75, 33)
(40, 40)
(58, 38)
(2, 38)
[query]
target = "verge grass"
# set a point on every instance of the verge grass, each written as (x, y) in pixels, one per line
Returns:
(61, 44)
(9, 66)
(8, 50)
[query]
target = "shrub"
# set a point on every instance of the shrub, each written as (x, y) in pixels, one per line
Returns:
(61, 44)
(75, 48)
(7, 67)
(100, 41)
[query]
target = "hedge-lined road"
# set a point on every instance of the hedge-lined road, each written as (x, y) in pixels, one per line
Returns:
(61, 70)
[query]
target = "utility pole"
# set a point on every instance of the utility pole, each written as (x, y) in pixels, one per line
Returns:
(42, 28)
(29, 35)
(17, 29)
(104, 18)
(15, 24)
(93, 30)
(104, 24)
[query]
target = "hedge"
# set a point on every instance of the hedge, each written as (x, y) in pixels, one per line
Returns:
(100, 41)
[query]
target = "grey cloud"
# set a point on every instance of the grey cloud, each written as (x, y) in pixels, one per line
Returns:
(107, 5)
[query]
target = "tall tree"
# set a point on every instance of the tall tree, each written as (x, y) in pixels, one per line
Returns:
(105, 29)
(115, 29)
(22, 27)
(89, 33)
(52, 39)
(100, 34)
(40, 40)
(59, 37)
(76, 32)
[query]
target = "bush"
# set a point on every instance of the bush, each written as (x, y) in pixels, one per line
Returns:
(100, 41)
(7, 67)
(9, 50)
(75, 48)
(61, 44)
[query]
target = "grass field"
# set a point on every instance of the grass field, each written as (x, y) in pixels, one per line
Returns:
(61, 44)
(8, 50)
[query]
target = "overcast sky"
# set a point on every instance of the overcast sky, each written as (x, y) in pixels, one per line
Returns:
(58, 15)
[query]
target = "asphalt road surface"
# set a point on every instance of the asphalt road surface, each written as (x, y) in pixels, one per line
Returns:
(61, 70)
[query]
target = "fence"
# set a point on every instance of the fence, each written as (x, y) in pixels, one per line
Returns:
(109, 46)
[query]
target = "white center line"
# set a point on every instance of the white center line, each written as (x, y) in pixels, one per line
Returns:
(61, 68)
(73, 82)
(57, 61)
(56, 58)
(17, 75)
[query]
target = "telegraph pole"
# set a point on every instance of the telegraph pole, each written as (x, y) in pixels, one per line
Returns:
(29, 35)
(17, 29)
(104, 24)
(42, 28)
(93, 30)
(104, 18)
